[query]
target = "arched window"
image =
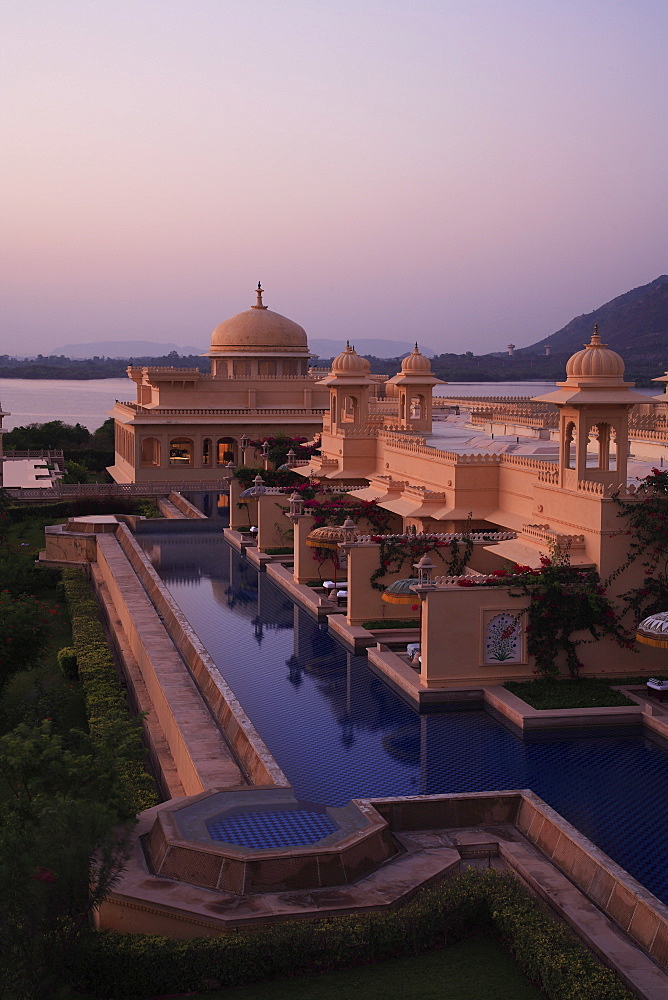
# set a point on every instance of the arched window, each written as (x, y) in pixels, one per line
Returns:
(207, 457)
(602, 432)
(225, 450)
(181, 451)
(221, 369)
(417, 408)
(150, 451)
(290, 367)
(242, 369)
(568, 458)
(350, 410)
(333, 407)
(267, 369)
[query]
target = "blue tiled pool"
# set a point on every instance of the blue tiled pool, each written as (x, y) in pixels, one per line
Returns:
(339, 732)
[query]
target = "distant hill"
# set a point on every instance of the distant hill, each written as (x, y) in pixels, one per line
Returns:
(122, 349)
(364, 345)
(635, 324)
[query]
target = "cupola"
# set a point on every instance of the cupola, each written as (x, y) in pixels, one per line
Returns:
(416, 362)
(258, 330)
(350, 363)
(595, 362)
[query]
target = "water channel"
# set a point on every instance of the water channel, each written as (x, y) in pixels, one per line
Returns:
(339, 732)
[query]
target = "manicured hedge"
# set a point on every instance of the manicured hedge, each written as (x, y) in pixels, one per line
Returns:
(74, 508)
(140, 965)
(106, 708)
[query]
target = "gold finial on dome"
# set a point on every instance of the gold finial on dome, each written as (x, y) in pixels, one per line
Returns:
(595, 338)
(258, 291)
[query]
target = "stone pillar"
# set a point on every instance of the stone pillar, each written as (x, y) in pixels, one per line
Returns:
(238, 516)
(364, 603)
(273, 528)
(306, 568)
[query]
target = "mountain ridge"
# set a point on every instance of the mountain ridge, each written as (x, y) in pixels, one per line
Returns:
(634, 323)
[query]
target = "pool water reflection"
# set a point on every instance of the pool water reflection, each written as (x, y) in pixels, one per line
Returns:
(338, 732)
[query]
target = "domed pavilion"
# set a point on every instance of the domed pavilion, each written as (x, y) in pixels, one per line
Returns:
(594, 401)
(185, 425)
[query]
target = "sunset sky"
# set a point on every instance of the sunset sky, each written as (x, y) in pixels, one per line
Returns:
(461, 172)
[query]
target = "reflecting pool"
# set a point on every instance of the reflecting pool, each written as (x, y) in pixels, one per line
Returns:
(338, 732)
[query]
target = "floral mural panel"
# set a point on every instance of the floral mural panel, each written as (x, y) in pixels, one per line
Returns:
(503, 638)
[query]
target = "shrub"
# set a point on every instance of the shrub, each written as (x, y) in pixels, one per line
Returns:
(146, 508)
(139, 965)
(24, 633)
(67, 661)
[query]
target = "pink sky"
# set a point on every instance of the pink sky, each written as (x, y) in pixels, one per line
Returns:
(462, 172)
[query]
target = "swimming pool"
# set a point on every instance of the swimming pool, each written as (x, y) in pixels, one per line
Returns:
(338, 732)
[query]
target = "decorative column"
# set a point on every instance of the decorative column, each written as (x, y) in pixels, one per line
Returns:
(305, 567)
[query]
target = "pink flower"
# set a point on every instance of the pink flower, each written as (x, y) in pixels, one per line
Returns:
(44, 875)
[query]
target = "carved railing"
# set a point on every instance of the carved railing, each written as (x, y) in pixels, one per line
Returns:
(63, 491)
(543, 533)
(477, 537)
(243, 411)
(53, 453)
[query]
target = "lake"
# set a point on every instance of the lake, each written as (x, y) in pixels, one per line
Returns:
(31, 401)
(88, 402)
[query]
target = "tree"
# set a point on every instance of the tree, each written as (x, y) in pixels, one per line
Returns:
(52, 434)
(61, 851)
(24, 633)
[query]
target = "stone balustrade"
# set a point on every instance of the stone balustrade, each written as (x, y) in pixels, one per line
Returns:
(53, 453)
(477, 537)
(244, 411)
(543, 533)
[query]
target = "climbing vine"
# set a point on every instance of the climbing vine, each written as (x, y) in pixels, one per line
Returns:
(279, 447)
(395, 550)
(335, 510)
(565, 600)
(647, 524)
(279, 477)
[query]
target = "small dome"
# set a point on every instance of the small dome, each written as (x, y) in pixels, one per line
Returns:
(259, 329)
(596, 361)
(349, 363)
(416, 362)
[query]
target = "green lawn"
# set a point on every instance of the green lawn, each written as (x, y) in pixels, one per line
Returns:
(566, 693)
(31, 531)
(477, 968)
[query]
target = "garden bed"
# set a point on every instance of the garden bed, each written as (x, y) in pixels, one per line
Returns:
(585, 692)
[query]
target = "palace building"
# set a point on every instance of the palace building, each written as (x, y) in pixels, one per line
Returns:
(186, 424)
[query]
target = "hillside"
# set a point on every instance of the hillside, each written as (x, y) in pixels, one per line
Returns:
(635, 324)
(122, 349)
